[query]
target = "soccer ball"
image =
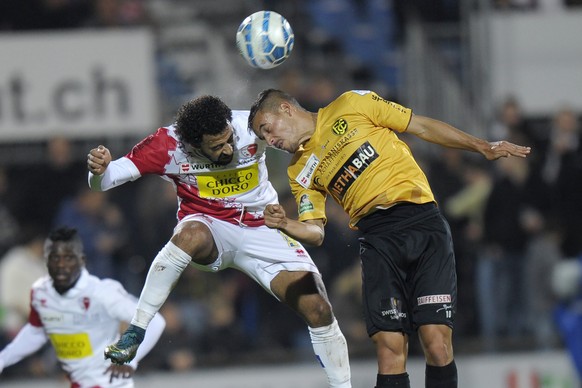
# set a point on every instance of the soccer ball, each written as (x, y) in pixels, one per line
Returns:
(265, 39)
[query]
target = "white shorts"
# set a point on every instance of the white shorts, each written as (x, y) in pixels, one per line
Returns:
(260, 252)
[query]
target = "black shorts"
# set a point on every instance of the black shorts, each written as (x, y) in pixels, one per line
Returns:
(408, 266)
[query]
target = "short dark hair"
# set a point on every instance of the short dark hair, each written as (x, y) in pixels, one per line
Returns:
(206, 115)
(65, 234)
(267, 100)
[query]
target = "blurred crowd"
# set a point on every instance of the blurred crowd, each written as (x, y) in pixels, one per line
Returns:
(514, 222)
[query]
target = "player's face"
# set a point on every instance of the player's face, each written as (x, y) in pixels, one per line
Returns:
(64, 261)
(219, 148)
(277, 129)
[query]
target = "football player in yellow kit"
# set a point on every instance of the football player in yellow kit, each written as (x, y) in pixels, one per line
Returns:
(350, 150)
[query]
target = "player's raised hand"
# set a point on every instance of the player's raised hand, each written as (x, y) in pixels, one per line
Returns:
(503, 149)
(98, 159)
(275, 216)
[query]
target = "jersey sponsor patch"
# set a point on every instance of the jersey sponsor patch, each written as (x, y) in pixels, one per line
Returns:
(305, 204)
(392, 308)
(304, 177)
(71, 346)
(433, 299)
(352, 169)
(221, 184)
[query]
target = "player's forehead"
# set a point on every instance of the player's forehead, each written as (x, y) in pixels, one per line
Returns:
(62, 248)
(263, 120)
(220, 138)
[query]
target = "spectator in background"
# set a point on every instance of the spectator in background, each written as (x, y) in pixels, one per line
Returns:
(100, 224)
(20, 267)
(465, 209)
(501, 267)
(56, 177)
(9, 226)
(346, 296)
(509, 122)
(562, 171)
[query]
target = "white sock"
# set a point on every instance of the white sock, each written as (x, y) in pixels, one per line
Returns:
(163, 274)
(331, 351)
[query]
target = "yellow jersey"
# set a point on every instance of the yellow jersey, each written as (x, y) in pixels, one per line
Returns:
(356, 157)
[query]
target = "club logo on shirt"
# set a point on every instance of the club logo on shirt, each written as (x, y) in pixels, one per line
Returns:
(249, 151)
(85, 302)
(352, 169)
(339, 127)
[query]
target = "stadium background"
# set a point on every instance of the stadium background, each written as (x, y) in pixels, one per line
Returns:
(78, 73)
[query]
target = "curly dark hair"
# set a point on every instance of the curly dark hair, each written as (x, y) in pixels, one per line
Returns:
(206, 115)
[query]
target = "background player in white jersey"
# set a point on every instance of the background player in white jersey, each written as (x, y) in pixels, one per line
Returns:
(80, 314)
(218, 169)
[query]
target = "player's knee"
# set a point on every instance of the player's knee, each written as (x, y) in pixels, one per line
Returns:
(437, 347)
(438, 354)
(391, 349)
(195, 239)
(318, 313)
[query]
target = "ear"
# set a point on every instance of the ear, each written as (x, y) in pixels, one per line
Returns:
(286, 108)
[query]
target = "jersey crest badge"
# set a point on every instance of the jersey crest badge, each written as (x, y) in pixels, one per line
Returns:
(249, 151)
(340, 127)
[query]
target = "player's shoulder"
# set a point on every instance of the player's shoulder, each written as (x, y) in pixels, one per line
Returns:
(107, 289)
(162, 137)
(240, 124)
(42, 283)
(107, 283)
(241, 115)
(240, 121)
(352, 97)
(356, 94)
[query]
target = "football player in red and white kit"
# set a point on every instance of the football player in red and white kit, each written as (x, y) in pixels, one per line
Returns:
(80, 314)
(217, 166)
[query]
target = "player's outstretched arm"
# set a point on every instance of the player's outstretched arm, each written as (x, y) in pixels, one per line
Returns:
(28, 340)
(105, 173)
(441, 133)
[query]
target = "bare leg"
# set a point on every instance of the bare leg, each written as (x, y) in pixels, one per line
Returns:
(305, 293)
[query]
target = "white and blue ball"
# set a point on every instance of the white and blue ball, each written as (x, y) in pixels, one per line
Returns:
(265, 39)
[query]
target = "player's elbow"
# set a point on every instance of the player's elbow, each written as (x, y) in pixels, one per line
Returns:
(317, 236)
